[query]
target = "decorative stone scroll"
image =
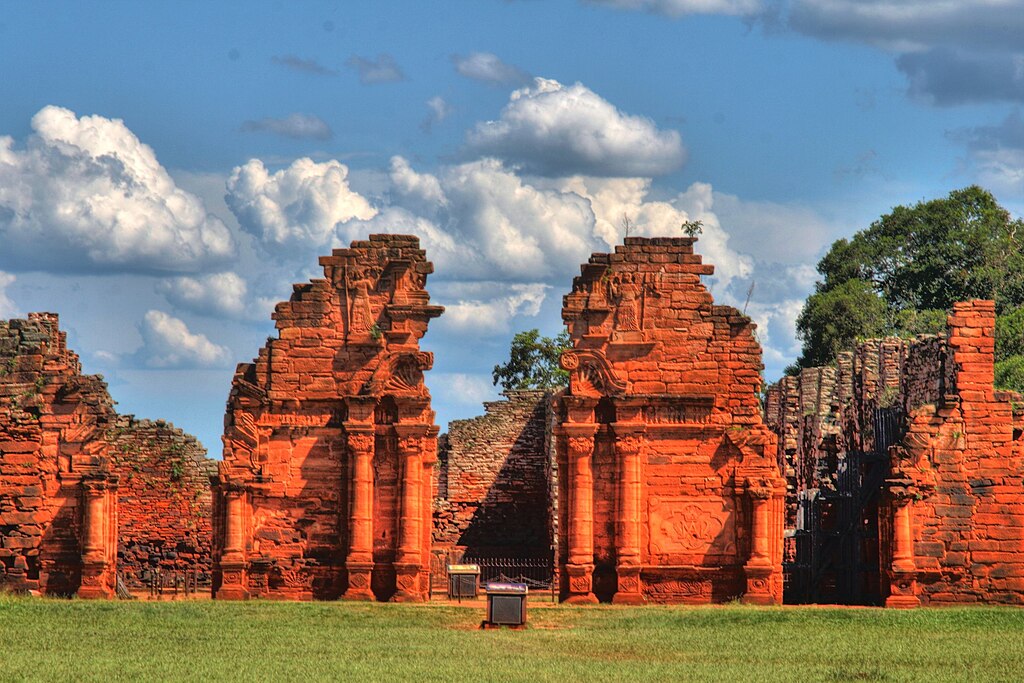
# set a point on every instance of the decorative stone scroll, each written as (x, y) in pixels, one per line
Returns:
(330, 436)
(661, 437)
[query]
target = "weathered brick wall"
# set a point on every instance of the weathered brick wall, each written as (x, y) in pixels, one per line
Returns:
(494, 498)
(164, 501)
(326, 486)
(950, 510)
(52, 419)
(669, 485)
(71, 466)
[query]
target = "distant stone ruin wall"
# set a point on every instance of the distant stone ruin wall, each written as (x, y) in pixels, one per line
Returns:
(494, 494)
(73, 473)
(950, 508)
(164, 501)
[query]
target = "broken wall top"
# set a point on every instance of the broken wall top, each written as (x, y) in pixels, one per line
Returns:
(643, 324)
(347, 351)
(354, 332)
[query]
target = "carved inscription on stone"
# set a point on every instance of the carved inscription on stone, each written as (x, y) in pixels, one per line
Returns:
(691, 526)
(695, 412)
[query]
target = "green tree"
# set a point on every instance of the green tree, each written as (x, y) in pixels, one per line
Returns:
(831, 321)
(533, 362)
(911, 266)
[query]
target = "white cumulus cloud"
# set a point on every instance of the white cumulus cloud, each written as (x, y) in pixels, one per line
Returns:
(294, 210)
(168, 343)
(86, 194)
(557, 130)
(219, 294)
(488, 307)
(480, 220)
(488, 68)
(7, 308)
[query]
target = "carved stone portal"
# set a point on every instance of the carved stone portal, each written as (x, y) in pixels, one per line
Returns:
(330, 441)
(669, 489)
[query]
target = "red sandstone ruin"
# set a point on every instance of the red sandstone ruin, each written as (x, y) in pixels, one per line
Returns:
(906, 472)
(87, 495)
(330, 441)
(669, 488)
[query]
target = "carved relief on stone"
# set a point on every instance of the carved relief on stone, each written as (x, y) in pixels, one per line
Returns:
(359, 442)
(629, 445)
(359, 286)
(687, 412)
(385, 468)
(590, 374)
(579, 583)
(580, 446)
(625, 291)
(689, 525)
(400, 374)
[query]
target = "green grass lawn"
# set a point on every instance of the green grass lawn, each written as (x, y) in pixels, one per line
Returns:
(51, 640)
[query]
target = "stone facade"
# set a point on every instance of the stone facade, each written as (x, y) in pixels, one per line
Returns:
(330, 441)
(494, 498)
(948, 499)
(670, 490)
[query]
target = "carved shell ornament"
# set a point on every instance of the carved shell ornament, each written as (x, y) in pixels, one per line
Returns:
(590, 374)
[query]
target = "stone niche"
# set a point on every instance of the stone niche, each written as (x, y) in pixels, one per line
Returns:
(670, 489)
(326, 484)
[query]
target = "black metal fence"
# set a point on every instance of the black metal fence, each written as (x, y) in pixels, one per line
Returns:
(537, 573)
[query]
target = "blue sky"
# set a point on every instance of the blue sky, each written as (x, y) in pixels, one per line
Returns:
(167, 170)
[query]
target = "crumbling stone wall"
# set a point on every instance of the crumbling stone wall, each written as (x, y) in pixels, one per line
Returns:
(87, 494)
(330, 442)
(164, 501)
(947, 506)
(494, 497)
(58, 506)
(669, 486)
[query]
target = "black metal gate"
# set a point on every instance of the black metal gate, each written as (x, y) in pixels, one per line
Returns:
(833, 556)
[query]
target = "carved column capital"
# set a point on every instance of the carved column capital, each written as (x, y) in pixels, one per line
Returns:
(760, 488)
(359, 440)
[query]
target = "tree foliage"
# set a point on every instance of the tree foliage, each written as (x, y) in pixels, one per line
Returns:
(533, 362)
(901, 275)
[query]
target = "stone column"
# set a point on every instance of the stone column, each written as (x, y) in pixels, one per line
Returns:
(579, 439)
(629, 454)
(96, 582)
(429, 461)
(903, 572)
(410, 523)
(232, 559)
(359, 562)
(758, 568)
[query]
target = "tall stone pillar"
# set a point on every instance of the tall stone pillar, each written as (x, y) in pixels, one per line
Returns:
(580, 567)
(97, 574)
(427, 487)
(758, 568)
(359, 563)
(232, 560)
(410, 523)
(629, 454)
